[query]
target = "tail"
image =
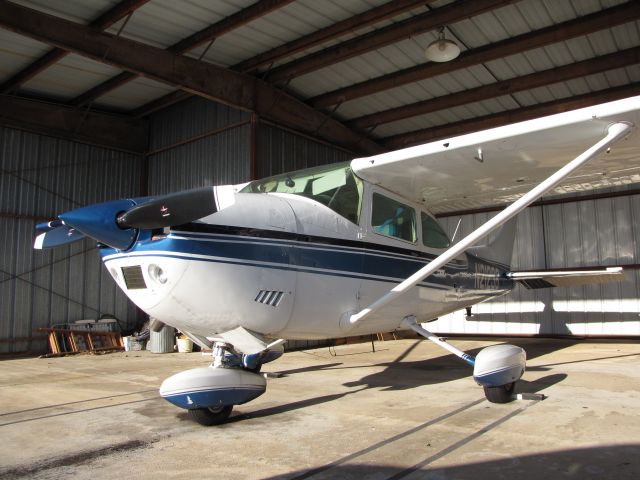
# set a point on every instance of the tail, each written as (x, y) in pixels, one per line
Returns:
(500, 247)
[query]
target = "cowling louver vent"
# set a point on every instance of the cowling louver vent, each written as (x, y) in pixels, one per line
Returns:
(269, 297)
(133, 278)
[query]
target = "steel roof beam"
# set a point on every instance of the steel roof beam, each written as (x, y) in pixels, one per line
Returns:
(620, 59)
(228, 24)
(607, 18)
(361, 20)
(113, 131)
(209, 33)
(207, 80)
(159, 103)
(103, 22)
(370, 17)
(424, 22)
(510, 116)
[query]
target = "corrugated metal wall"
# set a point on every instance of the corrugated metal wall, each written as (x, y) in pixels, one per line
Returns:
(41, 176)
(280, 150)
(197, 143)
(583, 233)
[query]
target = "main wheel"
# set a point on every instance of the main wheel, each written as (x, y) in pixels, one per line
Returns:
(501, 394)
(211, 416)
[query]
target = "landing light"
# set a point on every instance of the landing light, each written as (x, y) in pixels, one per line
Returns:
(157, 274)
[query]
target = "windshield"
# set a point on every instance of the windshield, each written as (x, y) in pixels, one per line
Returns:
(332, 185)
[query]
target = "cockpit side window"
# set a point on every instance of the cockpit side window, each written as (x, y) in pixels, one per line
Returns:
(335, 186)
(393, 219)
(432, 234)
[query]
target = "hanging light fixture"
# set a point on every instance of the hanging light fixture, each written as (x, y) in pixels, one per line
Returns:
(442, 49)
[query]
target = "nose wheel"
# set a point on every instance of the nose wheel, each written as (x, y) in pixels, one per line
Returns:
(210, 393)
(211, 416)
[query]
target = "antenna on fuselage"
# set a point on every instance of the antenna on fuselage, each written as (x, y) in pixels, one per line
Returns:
(453, 239)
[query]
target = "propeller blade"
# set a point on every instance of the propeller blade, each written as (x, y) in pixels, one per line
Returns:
(45, 227)
(170, 210)
(57, 236)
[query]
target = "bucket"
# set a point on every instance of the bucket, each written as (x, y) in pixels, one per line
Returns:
(163, 341)
(184, 345)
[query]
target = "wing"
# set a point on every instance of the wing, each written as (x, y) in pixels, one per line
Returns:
(567, 278)
(497, 166)
(418, 159)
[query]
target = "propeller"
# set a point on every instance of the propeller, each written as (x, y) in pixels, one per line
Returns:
(117, 223)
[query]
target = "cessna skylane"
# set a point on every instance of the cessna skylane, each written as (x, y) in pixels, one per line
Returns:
(346, 249)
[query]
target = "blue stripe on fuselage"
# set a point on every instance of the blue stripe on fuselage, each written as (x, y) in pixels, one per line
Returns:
(329, 257)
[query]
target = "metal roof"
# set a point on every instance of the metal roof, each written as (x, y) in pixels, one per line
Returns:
(163, 23)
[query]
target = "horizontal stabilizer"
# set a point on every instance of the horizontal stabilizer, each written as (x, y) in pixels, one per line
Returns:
(56, 237)
(567, 278)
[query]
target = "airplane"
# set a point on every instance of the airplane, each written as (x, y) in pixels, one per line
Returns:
(345, 249)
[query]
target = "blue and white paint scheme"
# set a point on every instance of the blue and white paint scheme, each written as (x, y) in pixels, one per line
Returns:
(344, 249)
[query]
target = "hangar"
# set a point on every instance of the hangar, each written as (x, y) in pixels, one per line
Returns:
(108, 99)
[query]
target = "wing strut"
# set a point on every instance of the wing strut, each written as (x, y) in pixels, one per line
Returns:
(615, 132)
(411, 322)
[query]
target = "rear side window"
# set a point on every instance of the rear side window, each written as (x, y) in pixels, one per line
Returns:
(432, 234)
(393, 219)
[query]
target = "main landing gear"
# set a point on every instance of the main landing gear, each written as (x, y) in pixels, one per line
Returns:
(497, 368)
(210, 393)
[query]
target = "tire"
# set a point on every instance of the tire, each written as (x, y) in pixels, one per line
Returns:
(501, 394)
(255, 369)
(211, 416)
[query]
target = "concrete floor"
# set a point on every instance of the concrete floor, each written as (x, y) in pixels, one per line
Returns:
(409, 410)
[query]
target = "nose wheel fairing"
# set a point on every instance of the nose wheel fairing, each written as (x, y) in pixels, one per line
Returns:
(212, 387)
(210, 393)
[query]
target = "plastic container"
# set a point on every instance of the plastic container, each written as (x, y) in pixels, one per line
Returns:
(184, 345)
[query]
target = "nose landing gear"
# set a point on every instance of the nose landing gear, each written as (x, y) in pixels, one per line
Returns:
(210, 393)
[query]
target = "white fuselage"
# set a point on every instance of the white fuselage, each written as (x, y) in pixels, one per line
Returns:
(286, 266)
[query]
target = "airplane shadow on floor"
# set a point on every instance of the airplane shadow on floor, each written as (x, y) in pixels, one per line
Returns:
(593, 463)
(402, 375)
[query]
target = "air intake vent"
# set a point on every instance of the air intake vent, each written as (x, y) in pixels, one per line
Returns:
(133, 277)
(269, 297)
